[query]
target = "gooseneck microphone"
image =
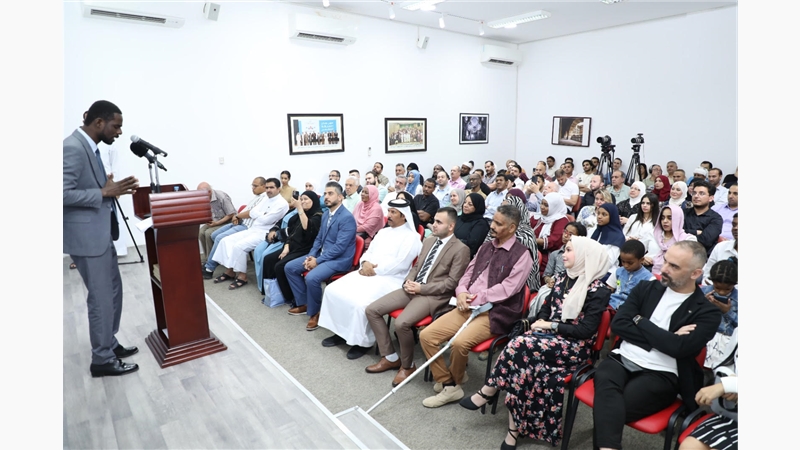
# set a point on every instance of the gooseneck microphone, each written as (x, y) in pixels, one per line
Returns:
(136, 139)
(141, 151)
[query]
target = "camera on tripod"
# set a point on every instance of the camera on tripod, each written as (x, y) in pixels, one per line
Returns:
(637, 142)
(605, 143)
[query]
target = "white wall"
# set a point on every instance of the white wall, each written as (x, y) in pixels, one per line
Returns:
(673, 79)
(223, 89)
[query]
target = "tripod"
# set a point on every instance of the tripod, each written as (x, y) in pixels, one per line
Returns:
(633, 166)
(606, 159)
(125, 218)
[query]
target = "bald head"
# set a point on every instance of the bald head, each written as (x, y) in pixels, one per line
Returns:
(552, 186)
(203, 186)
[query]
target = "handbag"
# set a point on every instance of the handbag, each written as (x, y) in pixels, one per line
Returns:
(273, 297)
(519, 328)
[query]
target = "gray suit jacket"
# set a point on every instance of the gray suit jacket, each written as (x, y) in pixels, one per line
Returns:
(450, 265)
(87, 214)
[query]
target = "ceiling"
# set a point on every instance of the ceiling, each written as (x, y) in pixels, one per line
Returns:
(567, 16)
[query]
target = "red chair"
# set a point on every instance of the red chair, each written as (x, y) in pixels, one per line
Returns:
(421, 231)
(663, 420)
(356, 258)
(241, 208)
(690, 423)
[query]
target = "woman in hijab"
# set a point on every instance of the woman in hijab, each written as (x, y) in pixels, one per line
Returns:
(368, 214)
(457, 197)
(533, 367)
(587, 216)
(630, 205)
(471, 228)
(549, 228)
(410, 199)
(524, 235)
(661, 188)
(609, 232)
(413, 182)
(269, 246)
(668, 230)
(298, 238)
(677, 194)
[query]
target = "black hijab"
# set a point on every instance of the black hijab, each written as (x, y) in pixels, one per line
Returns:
(480, 208)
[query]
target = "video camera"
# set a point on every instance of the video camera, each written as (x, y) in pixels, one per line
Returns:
(605, 143)
(637, 142)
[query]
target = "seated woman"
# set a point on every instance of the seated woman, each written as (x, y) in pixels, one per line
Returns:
(586, 216)
(368, 214)
(471, 228)
(414, 182)
(640, 226)
(270, 245)
(668, 230)
(410, 198)
(609, 233)
(630, 206)
(533, 367)
(297, 239)
(457, 197)
(661, 187)
(677, 194)
(549, 225)
(555, 265)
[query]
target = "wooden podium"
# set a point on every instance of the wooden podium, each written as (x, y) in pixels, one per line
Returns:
(173, 257)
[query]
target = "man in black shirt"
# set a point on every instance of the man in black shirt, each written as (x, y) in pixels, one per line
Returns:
(426, 203)
(700, 220)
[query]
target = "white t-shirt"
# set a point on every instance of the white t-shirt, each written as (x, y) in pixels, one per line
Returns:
(569, 189)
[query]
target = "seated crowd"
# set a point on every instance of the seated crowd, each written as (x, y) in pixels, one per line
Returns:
(658, 253)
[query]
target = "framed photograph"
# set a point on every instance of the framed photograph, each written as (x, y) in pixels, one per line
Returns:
(406, 135)
(574, 131)
(474, 129)
(315, 133)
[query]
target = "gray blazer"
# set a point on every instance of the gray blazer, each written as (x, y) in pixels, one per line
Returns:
(87, 214)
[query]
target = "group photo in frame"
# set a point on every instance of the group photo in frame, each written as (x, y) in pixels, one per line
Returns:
(406, 135)
(315, 133)
(473, 128)
(572, 131)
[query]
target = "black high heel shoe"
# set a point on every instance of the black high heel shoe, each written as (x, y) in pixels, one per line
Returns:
(505, 446)
(467, 402)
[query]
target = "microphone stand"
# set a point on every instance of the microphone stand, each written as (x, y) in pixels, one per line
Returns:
(130, 233)
(158, 183)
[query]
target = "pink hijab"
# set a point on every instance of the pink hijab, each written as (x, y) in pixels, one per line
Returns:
(369, 215)
(677, 235)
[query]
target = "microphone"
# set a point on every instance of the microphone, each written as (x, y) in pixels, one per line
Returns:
(156, 150)
(141, 151)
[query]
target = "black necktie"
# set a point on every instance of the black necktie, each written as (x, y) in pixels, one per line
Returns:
(428, 261)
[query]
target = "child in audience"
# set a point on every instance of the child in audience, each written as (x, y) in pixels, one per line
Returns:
(621, 282)
(724, 295)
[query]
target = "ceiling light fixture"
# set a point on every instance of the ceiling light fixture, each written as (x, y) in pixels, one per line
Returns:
(425, 5)
(441, 21)
(391, 10)
(480, 30)
(326, 3)
(609, 2)
(511, 22)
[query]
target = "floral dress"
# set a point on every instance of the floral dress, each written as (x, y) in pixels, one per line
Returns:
(533, 367)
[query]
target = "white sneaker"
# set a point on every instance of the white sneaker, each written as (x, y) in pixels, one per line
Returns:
(437, 387)
(449, 394)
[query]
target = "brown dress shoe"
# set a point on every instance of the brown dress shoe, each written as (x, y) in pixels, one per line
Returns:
(313, 323)
(402, 374)
(383, 365)
(297, 310)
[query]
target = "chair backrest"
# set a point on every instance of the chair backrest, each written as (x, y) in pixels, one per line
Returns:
(602, 331)
(385, 220)
(421, 231)
(658, 276)
(526, 300)
(359, 251)
(577, 207)
(241, 208)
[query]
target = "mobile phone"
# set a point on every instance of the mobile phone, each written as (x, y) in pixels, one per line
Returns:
(720, 298)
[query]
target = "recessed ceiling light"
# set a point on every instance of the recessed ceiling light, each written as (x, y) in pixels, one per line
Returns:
(425, 5)
(516, 20)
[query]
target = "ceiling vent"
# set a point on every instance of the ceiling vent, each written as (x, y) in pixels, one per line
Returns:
(493, 55)
(122, 15)
(314, 27)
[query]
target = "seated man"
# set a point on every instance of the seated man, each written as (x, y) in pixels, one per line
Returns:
(496, 197)
(662, 327)
(728, 211)
(352, 195)
(383, 267)
(497, 275)
(426, 291)
(232, 250)
(399, 186)
(700, 220)
(371, 178)
(426, 203)
(222, 211)
(476, 185)
(442, 191)
(236, 225)
(726, 250)
(332, 253)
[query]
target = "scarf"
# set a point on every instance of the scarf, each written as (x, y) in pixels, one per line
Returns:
(480, 208)
(642, 190)
(371, 209)
(556, 209)
(591, 263)
(610, 233)
(677, 234)
(663, 193)
(411, 187)
(679, 201)
(462, 195)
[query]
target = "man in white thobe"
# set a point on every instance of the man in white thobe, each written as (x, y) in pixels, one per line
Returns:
(384, 266)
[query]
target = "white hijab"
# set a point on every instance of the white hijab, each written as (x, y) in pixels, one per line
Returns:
(556, 209)
(591, 263)
(682, 186)
(642, 190)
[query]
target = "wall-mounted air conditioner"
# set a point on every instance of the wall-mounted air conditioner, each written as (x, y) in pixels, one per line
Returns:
(494, 55)
(103, 11)
(314, 27)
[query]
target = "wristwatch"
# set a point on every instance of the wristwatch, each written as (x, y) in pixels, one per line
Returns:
(554, 326)
(636, 319)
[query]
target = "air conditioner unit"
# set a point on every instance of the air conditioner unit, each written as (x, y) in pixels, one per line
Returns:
(314, 27)
(500, 56)
(113, 13)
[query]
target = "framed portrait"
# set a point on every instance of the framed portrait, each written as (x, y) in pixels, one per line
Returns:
(474, 129)
(573, 131)
(406, 135)
(315, 133)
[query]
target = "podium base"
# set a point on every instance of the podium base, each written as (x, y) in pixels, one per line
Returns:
(169, 356)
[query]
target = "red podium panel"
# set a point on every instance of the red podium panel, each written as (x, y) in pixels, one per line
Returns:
(182, 332)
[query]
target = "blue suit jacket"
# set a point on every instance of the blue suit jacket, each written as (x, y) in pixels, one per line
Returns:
(337, 240)
(87, 214)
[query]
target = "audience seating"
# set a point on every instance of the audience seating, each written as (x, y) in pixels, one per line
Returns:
(662, 421)
(356, 258)
(690, 423)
